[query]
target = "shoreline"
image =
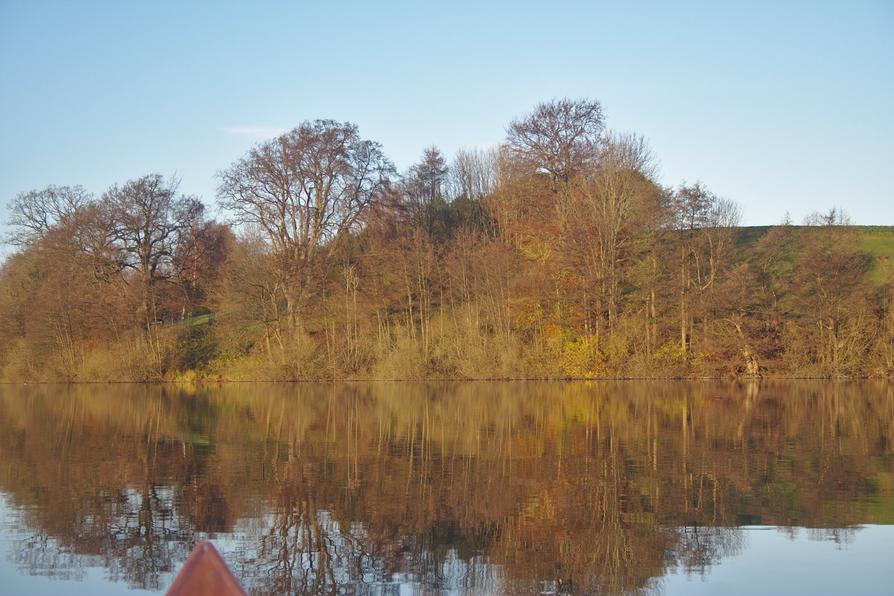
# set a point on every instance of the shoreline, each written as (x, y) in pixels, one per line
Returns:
(354, 380)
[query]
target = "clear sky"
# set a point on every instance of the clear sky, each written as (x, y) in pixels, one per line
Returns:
(780, 106)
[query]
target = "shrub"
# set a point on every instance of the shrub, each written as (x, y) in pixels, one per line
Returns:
(196, 347)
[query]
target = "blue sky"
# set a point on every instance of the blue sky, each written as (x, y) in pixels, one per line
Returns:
(780, 106)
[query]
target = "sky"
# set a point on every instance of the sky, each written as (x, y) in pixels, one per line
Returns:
(783, 107)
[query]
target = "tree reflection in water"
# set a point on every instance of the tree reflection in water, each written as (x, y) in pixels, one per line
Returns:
(524, 487)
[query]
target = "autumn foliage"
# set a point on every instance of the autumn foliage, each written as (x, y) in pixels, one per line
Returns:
(557, 254)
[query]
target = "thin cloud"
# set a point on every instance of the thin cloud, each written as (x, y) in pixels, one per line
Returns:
(257, 133)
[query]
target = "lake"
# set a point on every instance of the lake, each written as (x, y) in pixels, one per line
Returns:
(485, 487)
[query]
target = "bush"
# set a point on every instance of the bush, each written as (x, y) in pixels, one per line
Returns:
(196, 347)
(581, 358)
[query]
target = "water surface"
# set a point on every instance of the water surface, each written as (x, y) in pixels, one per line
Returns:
(690, 488)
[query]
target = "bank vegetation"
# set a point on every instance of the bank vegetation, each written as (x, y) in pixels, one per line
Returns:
(557, 254)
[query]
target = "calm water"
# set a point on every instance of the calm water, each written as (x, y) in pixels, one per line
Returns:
(690, 488)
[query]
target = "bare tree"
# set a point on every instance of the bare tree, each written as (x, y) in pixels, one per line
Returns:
(199, 259)
(148, 220)
(705, 224)
(474, 172)
(603, 213)
(836, 216)
(303, 189)
(34, 213)
(560, 137)
(628, 152)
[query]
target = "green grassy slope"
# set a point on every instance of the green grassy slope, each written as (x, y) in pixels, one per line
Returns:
(876, 241)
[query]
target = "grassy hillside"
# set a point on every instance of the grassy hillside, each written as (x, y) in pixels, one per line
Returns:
(878, 241)
(875, 241)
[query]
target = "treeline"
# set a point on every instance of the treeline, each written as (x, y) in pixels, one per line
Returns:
(557, 254)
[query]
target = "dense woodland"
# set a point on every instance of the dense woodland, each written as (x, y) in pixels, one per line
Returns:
(557, 254)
